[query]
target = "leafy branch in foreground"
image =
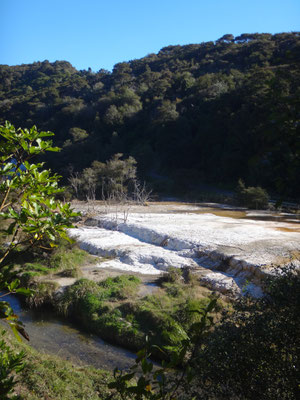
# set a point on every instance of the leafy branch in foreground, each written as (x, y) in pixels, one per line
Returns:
(27, 194)
(30, 211)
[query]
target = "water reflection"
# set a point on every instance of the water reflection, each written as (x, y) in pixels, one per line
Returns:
(239, 214)
(53, 335)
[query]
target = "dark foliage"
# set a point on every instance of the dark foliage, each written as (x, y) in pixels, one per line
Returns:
(254, 353)
(211, 112)
(251, 197)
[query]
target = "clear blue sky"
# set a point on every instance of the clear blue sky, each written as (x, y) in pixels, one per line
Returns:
(101, 33)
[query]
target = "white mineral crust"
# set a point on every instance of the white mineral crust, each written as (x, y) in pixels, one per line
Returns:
(149, 243)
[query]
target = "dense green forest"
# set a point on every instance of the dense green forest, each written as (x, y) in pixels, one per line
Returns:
(201, 113)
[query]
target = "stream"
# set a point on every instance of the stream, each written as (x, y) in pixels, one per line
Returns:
(54, 335)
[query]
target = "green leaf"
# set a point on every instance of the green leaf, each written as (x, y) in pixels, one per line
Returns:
(15, 331)
(13, 285)
(140, 355)
(128, 377)
(146, 366)
(24, 291)
(51, 236)
(211, 305)
(13, 213)
(11, 228)
(54, 149)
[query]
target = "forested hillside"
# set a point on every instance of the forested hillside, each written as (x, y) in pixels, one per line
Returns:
(202, 113)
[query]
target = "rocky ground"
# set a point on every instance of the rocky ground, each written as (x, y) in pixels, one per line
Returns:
(230, 249)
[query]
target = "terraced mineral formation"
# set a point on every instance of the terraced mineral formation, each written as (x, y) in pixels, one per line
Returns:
(229, 253)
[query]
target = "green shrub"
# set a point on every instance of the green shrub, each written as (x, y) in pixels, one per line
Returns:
(65, 260)
(172, 275)
(28, 278)
(11, 362)
(43, 293)
(100, 307)
(73, 294)
(90, 304)
(251, 197)
(173, 289)
(85, 298)
(37, 267)
(120, 287)
(67, 257)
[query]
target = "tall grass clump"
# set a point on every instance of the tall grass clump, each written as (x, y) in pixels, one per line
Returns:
(64, 260)
(96, 306)
(113, 310)
(49, 377)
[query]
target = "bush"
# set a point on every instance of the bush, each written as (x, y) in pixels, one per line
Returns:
(68, 257)
(251, 197)
(88, 301)
(43, 293)
(10, 363)
(172, 275)
(101, 308)
(120, 287)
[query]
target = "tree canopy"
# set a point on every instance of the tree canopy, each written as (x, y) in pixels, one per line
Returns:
(219, 110)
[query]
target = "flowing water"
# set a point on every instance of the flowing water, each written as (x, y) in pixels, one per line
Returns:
(53, 335)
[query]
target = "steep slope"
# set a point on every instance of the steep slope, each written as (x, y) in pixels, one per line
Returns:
(210, 112)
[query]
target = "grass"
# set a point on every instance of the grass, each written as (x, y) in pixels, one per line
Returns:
(112, 310)
(120, 287)
(97, 307)
(49, 377)
(167, 315)
(38, 270)
(87, 296)
(65, 260)
(43, 293)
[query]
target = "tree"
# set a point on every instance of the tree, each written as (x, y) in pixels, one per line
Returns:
(225, 109)
(117, 175)
(251, 197)
(78, 134)
(35, 218)
(226, 38)
(112, 178)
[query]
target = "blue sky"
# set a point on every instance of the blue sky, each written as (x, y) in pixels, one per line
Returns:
(101, 33)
